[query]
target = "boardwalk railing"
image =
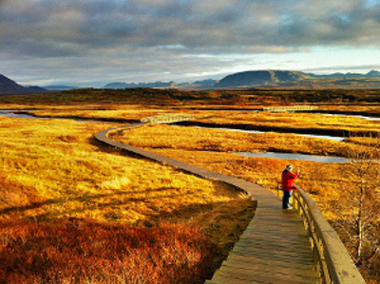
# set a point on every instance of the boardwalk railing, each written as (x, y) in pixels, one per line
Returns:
(168, 118)
(289, 108)
(334, 263)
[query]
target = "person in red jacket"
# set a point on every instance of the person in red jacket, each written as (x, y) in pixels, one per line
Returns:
(287, 181)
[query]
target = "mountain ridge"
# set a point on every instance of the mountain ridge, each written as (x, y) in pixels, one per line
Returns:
(261, 77)
(370, 74)
(264, 78)
(241, 80)
(10, 87)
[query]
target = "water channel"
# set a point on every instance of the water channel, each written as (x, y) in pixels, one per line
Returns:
(333, 138)
(313, 112)
(300, 157)
(21, 114)
(15, 113)
(350, 115)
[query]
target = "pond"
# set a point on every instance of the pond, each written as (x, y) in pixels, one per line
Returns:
(300, 157)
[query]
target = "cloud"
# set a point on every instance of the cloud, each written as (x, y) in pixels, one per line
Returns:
(234, 25)
(169, 32)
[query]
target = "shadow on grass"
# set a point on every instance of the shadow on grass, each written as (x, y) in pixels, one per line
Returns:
(86, 198)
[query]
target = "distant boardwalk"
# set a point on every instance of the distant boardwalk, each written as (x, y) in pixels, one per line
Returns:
(275, 248)
(290, 108)
(168, 118)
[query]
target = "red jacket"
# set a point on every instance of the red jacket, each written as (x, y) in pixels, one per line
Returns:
(287, 180)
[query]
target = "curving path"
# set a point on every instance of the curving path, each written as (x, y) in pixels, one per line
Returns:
(273, 249)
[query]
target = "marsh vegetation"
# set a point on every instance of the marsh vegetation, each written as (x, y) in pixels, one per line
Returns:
(65, 199)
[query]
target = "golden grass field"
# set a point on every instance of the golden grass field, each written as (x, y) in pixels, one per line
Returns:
(53, 170)
(221, 146)
(56, 179)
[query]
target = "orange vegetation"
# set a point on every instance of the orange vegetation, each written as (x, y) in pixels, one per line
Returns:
(84, 251)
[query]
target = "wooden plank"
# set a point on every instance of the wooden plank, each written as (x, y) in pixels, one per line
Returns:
(261, 276)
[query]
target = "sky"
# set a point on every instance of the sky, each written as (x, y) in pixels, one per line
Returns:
(89, 43)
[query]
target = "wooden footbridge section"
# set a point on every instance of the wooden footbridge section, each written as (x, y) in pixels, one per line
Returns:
(290, 108)
(279, 246)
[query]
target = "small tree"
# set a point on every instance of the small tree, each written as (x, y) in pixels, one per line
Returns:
(359, 204)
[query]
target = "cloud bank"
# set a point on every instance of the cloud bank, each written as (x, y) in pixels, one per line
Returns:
(145, 38)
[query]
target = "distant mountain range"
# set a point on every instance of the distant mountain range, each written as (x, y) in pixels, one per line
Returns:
(269, 79)
(370, 74)
(242, 80)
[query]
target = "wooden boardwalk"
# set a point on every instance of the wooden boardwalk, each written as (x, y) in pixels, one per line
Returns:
(273, 249)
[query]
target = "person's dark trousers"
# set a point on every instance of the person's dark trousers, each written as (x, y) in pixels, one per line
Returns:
(286, 199)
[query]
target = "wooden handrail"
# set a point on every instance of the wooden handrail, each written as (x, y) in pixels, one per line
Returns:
(334, 263)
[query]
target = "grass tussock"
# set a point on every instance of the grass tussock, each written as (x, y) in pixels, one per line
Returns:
(83, 251)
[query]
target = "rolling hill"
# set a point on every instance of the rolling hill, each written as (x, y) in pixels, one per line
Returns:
(261, 77)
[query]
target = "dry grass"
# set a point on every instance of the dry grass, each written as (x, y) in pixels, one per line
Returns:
(54, 176)
(308, 122)
(83, 251)
(173, 141)
(131, 112)
(201, 139)
(61, 173)
(53, 170)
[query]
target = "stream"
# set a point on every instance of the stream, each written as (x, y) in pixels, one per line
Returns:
(20, 114)
(333, 138)
(315, 112)
(300, 157)
(350, 115)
